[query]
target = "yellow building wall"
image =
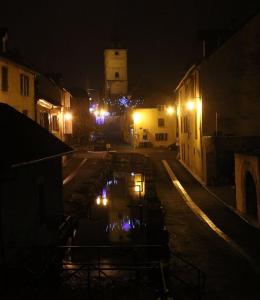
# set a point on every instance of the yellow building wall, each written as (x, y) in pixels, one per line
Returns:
(116, 62)
(189, 110)
(147, 123)
(13, 95)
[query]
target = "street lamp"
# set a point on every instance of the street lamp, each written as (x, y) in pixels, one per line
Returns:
(136, 118)
(190, 105)
(170, 110)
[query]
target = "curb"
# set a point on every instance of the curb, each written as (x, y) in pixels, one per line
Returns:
(234, 210)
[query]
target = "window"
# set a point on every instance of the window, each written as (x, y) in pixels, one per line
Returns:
(24, 85)
(145, 137)
(55, 123)
(44, 119)
(196, 126)
(161, 136)
(160, 107)
(116, 53)
(116, 75)
(4, 79)
(186, 124)
(161, 123)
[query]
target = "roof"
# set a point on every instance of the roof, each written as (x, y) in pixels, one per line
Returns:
(225, 40)
(254, 152)
(24, 141)
(16, 58)
(78, 92)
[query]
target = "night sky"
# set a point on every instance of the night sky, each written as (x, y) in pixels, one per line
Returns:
(161, 37)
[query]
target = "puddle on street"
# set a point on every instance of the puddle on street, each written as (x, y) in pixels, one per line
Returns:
(117, 212)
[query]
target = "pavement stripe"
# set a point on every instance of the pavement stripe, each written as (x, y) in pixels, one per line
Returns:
(73, 173)
(199, 213)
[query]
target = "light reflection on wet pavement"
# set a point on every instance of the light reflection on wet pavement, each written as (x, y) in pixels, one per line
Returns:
(116, 224)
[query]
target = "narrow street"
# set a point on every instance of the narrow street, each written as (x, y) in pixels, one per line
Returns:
(231, 273)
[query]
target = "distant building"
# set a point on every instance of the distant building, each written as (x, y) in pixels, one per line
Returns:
(218, 106)
(31, 189)
(82, 121)
(116, 79)
(16, 81)
(151, 126)
(53, 107)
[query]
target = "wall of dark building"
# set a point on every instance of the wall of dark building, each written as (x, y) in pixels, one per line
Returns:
(230, 84)
(31, 207)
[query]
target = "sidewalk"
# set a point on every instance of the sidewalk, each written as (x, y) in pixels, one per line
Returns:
(220, 212)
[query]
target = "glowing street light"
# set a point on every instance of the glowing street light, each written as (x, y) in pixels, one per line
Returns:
(170, 110)
(136, 117)
(68, 116)
(190, 105)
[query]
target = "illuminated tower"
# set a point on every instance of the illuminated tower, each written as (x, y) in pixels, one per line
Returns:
(116, 82)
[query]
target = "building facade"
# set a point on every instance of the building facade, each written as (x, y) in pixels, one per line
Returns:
(116, 79)
(82, 120)
(150, 127)
(17, 85)
(53, 107)
(218, 106)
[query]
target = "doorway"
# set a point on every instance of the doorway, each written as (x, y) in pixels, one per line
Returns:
(251, 197)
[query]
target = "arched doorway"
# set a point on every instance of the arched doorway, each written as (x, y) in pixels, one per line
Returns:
(251, 197)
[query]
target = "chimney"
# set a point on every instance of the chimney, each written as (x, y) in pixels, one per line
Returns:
(4, 38)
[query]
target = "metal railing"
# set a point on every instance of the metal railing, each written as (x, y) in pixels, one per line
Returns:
(188, 275)
(114, 262)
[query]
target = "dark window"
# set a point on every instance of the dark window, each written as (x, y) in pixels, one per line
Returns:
(116, 53)
(44, 119)
(116, 74)
(160, 107)
(25, 112)
(161, 123)
(4, 79)
(161, 136)
(55, 123)
(145, 137)
(24, 85)
(251, 196)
